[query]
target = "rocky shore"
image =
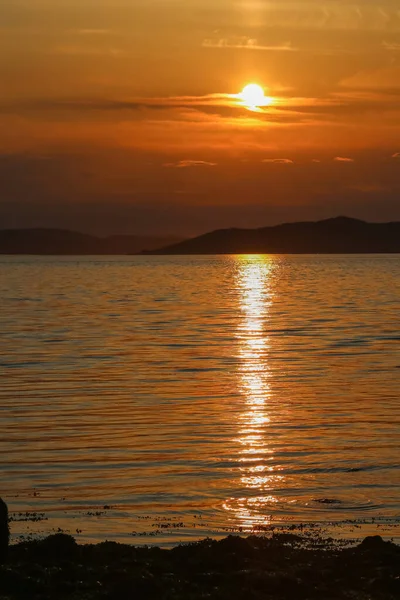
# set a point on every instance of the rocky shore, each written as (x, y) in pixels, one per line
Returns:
(282, 567)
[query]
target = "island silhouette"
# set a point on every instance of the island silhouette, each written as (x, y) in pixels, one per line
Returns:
(65, 242)
(339, 235)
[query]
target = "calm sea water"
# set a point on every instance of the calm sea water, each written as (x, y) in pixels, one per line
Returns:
(158, 399)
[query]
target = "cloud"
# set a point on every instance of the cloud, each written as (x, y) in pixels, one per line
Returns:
(383, 79)
(315, 160)
(185, 164)
(110, 104)
(222, 110)
(343, 159)
(348, 15)
(284, 110)
(246, 43)
(396, 155)
(366, 188)
(90, 31)
(278, 161)
(77, 50)
(391, 46)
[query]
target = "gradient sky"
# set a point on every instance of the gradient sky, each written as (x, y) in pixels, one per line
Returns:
(117, 116)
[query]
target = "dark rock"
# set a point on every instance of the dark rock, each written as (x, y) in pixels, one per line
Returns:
(4, 531)
(386, 584)
(58, 547)
(373, 542)
(287, 538)
(281, 568)
(145, 588)
(386, 553)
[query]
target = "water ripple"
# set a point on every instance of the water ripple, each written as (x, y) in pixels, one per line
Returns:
(243, 390)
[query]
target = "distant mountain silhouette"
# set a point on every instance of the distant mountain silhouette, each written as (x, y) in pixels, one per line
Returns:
(62, 241)
(340, 235)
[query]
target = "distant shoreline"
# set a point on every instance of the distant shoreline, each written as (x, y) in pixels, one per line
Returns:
(159, 253)
(340, 235)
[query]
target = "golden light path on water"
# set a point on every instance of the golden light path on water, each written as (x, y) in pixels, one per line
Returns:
(255, 287)
(169, 399)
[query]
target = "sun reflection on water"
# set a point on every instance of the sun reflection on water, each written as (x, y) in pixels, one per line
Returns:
(257, 476)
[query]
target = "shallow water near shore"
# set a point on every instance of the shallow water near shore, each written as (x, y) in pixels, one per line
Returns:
(163, 399)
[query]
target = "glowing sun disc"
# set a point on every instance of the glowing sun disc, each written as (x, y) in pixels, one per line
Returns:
(253, 96)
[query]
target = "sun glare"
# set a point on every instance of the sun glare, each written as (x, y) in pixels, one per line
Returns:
(253, 97)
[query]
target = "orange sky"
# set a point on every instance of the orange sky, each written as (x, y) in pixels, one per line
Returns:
(119, 115)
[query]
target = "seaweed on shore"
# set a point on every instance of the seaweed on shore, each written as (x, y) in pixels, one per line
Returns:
(282, 567)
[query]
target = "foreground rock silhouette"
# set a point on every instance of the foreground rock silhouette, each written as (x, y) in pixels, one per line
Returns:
(284, 567)
(4, 531)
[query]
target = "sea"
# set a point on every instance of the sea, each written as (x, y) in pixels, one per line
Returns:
(158, 400)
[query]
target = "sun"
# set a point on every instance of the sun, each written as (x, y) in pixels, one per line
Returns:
(253, 97)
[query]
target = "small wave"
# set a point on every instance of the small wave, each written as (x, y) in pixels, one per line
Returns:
(352, 505)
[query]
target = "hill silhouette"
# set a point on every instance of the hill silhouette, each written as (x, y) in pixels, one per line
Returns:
(340, 235)
(64, 242)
